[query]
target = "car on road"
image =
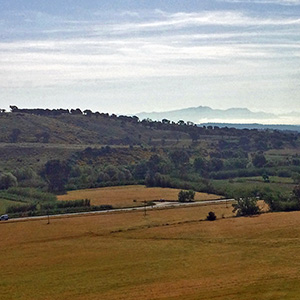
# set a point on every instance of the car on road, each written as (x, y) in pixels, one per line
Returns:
(4, 218)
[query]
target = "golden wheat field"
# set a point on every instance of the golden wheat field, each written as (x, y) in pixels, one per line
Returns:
(129, 196)
(168, 254)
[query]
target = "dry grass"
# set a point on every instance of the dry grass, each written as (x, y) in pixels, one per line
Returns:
(128, 256)
(124, 196)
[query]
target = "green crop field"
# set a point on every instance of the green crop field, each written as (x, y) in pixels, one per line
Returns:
(169, 254)
(239, 185)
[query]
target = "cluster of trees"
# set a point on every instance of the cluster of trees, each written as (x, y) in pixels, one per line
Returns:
(61, 111)
(26, 209)
(246, 205)
(34, 208)
(280, 202)
(179, 168)
(66, 204)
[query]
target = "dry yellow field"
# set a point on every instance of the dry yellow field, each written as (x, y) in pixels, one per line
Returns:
(124, 196)
(169, 254)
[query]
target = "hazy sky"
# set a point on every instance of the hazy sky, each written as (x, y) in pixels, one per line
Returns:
(127, 56)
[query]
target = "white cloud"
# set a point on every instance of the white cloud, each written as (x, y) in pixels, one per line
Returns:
(61, 62)
(213, 52)
(129, 14)
(217, 18)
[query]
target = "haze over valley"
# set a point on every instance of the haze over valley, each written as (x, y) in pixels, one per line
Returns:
(205, 114)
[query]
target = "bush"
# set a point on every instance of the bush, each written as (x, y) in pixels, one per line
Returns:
(186, 196)
(7, 180)
(74, 203)
(21, 208)
(246, 206)
(211, 216)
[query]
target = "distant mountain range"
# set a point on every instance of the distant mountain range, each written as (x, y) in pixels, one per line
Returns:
(254, 126)
(205, 114)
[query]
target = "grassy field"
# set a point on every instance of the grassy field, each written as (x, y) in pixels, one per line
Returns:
(169, 254)
(124, 196)
(272, 179)
(4, 204)
(244, 184)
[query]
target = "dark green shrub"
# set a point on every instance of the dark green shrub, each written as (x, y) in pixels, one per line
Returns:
(21, 208)
(211, 216)
(246, 206)
(186, 196)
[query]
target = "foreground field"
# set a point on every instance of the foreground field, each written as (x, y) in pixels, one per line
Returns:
(169, 254)
(129, 196)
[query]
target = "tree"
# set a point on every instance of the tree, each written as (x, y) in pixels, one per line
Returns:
(246, 206)
(56, 173)
(88, 112)
(13, 108)
(259, 160)
(266, 178)
(296, 192)
(200, 164)
(7, 180)
(211, 216)
(25, 173)
(216, 164)
(76, 111)
(186, 196)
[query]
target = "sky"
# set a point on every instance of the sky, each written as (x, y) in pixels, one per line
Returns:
(126, 56)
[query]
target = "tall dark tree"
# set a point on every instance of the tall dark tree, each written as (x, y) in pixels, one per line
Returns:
(296, 192)
(56, 173)
(259, 160)
(88, 112)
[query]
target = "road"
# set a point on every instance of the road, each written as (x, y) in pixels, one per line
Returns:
(158, 205)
